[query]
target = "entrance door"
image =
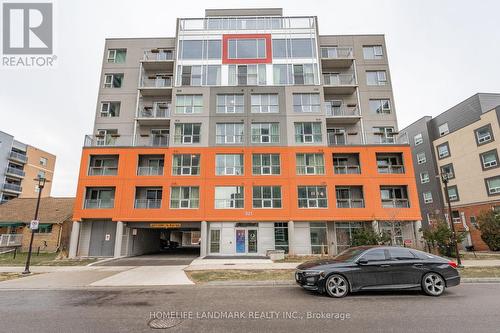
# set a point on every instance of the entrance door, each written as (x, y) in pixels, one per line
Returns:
(102, 239)
(246, 240)
(241, 241)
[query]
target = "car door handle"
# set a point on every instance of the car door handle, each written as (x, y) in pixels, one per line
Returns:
(385, 265)
(418, 265)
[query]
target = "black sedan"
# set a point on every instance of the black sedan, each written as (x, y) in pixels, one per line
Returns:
(378, 268)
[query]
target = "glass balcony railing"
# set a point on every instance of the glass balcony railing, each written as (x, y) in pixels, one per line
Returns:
(339, 80)
(350, 203)
(247, 23)
(103, 171)
(15, 172)
(149, 171)
(335, 52)
(160, 82)
(159, 55)
(18, 157)
(12, 188)
(108, 140)
(147, 203)
(395, 203)
(157, 111)
(334, 110)
(99, 203)
(357, 138)
(346, 169)
(391, 169)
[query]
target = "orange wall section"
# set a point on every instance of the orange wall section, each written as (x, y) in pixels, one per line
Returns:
(126, 180)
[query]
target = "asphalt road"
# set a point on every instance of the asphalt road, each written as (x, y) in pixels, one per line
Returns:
(466, 308)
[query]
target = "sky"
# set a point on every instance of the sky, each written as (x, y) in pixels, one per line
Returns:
(440, 52)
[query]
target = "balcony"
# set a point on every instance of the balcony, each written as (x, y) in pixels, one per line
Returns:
(398, 169)
(341, 113)
(395, 203)
(15, 173)
(350, 203)
(152, 140)
(336, 57)
(12, 188)
(158, 59)
(99, 203)
(103, 171)
(147, 203)
(156, 85)
(8, 240)
(335, 83)
(149, 171)
(108, 140)
(346, 169)
(157, 114)
(17, 157)
(343, 139)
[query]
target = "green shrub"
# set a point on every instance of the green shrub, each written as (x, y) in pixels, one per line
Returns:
(439, 235)
(489, 225)
(367, 236)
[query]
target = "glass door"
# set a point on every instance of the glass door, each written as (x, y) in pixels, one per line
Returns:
(252, 240)
(241, 241)
(246, 240)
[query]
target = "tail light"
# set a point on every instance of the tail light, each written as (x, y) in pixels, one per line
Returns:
(452, 264)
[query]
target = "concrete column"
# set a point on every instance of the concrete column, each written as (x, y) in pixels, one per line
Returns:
(291, 238)
(375, 227)
(118, 239)
(204, 239)
(73, 242)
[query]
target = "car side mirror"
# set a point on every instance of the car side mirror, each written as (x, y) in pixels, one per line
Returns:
(362, 261)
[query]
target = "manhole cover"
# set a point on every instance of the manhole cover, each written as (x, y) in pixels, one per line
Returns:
(162, 323)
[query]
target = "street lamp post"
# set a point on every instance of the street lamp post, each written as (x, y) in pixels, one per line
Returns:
(444, 179)
(41, 184)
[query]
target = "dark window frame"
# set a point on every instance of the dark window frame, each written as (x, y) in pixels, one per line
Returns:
(487, 152)
(487, 188)
(447, 146)
(491, 134)
(458, 195)
(452, 168)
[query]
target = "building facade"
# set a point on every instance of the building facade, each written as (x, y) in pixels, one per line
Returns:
(246, 132)
(461, 143)
(20, 164)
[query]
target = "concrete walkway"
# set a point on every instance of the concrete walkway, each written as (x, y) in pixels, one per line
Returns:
(147, 276)
(250, 264)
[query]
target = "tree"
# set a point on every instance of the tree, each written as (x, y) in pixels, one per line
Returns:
(489, 225)
(439, 235)
(367, 236)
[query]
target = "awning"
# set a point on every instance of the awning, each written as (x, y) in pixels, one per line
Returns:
(11, 224)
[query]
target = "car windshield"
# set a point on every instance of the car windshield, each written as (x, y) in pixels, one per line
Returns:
(349, 254)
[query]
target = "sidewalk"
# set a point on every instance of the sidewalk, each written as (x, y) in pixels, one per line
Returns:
(236, 264)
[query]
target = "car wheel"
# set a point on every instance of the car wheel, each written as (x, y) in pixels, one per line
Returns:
(337, 286)
(433, 284)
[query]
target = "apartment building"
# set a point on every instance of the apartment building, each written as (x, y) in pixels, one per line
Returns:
(461, 143)
(246, 132)
(20, 164)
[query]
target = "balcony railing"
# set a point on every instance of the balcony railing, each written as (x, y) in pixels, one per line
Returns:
(163, 82)
(99, 203)
(18, 157)
(147, 203)
(246, 23)
(149, 171)
(7, 240)
(340, 111)
(356, 138)
(153, 140)
(15, 172)
(158, 55)
(395, 203)
(350, 203)
(103, 171)
(346, 169)
(12, 188)
(335, 52)
(229, 139)
(155, 112)
(338, 80)
(391, 169)
(108, 140)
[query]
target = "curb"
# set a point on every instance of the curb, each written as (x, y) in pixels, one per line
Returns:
(480, 280)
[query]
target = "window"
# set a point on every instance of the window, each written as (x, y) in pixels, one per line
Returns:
(266, 164)
(184, 197)
(150, 165)
(229, 133)
(376, 78)
(214, 240)
(264, 103)
(113, 80)
(230, 103)
(310, 164)
(427, 197)
(493, 185)
(191, 75)
(294, 48)
(110, 109)
(373, 52)
(394, 196)
(200, 49)
(228, 197)
(186, 164)
(149, 198)
(418, 139)
(295, 74)
(312, 197)
(375, 255)
(380, 106)
(443, 129)
(45, 229)
(349, 196)
(303, 74)
(424, 177)
(453, 193)
(319, 242)
(103, 165)
(266, 197)
(40, 174)
(43, 161)
(443, 150)
(228, 164)
(401, 254)
(473, 222)
(390, 163)
(384, 134)
(100, 197)
(308, 133)
(489, 159)
(306, 103)
(346, 163)
(187, 133)
(455, 216)
(281, 236)
(117, 56)
(282, 74)
(187, 104)
(106, 137)
(243, 75)
(448, 171)
(247, 48)
(265, 133)
(421, 159)
(483, 135)
(344, 232)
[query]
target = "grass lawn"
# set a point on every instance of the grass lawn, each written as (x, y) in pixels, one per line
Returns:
(43, 259)
(240, 275)
(480, 256)
(10, 276)
(480, 272)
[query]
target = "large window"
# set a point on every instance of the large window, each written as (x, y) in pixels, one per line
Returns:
(113, 80)
(394, 196)
(380, 106)
(185, 164)
(148, 198)
(344, 232)
(229, 133)
(376, 78)
(247, 48)
(229, 197)
(443, 150)
(200, 49)
(228, 164)
(294, 74)
(306, 103)
(448, 170)
(187, 104)
(294, 48)
(266, 197)
(230, 103)
(100, 197)
(186, 133)
(110, 109)
(243, 75)
(214, 240)
(453, 193)
(483, 135)
(489, 159)
(103, 165)
(265, 133)
(312, 197)
(264, 103)
(373, 52)
(266, 164)
(319, 242)
(117, 56)
(308, 133)
(493, 185)
(184, 197)
(281, 236)
(206, 75)
(310, 164)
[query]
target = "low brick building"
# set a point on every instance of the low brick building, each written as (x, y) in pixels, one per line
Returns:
(55, 216)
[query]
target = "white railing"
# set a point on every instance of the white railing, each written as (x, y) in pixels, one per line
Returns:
(246, 23)
(163, 82)
(99, 203)
(155, 112)
(391, 169)
(103, 171)
(152, 140)
(159, 55)
(350, 203)
(18, 157)
(346, 169)
(147, 203)
(340, 111)
(11, 240)
(335, 52)
(108, 140)
(338, 80)
(149, 171)
(395, 203)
